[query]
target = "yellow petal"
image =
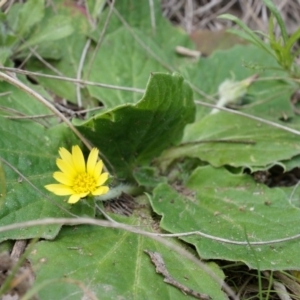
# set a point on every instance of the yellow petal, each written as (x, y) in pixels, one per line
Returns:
(78, 159)
(98, 169)
(92, 160)
(101, 179)
(63, 178)
(73, 199)
(59, 189)
(76, 197)
(100, 191)
(66, 168)
(65, 155)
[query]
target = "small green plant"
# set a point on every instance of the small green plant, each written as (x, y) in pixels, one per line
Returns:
(281, 47)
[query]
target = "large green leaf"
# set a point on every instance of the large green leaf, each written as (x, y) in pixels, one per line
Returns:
(32, 8)
(133, 51)
(235, 208)
(154, 27)
(14, 102)
(69, 51)
(127, 64)
(112, 264)
(64, 53)
(136, 133)
(56, 28)
(18, 19)
(225, 139)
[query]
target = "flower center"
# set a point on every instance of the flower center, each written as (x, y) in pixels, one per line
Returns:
(84, 183)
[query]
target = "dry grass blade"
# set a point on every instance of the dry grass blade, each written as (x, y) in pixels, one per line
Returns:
(202, 14)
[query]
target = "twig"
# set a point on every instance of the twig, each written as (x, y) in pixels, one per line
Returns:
(2, 2)
(187, 52)
(5, 94)
(89, 15)
(142, 44)
(119, 225)
(107, 217)
(92, 83)
(78, 75)
(26, 58)
(227, 141)
(18, 116)
(293, 192)
(152, 16)
(189, 16)
(38, 97)
(23, 177)
(239, 113)
(132, 229)
(160, 267)
(48, 65)
(87, 294)
(244, 285)
(206, 7)
(18, 249)
(29, 117)
(102, 34)
(11, 110)
(108, 224)
(156, 57)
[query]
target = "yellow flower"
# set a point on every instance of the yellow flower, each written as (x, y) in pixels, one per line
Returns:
(78, 178)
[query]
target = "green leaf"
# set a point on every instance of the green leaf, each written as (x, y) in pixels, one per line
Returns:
(3, 184)
(225, 139)
(6, 246)
(278, 17)
(12, 18)
(154, 27)
(134, 134)
(94, 7)
(64, 54)
(16, 25)
(271, 37)
(243, 35)
(128, 65)
(293, 39)
(69, 52)
(148, 176)
(292, 163)
(97, 259)
(235, 208)
(5, 53)
(58, 27)
(7, 35)
(31, 12)
(14, 102)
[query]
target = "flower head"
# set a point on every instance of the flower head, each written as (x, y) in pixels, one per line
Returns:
(78, 178)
